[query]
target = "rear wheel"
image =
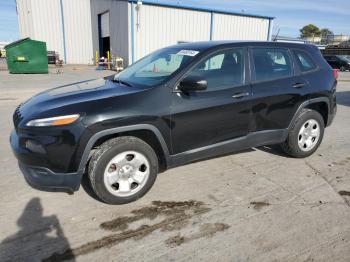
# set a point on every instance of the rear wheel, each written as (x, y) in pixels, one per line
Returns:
(306, 134)
(122, 170)
(342, 69)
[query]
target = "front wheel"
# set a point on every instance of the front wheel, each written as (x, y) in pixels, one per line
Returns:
(306, 134)
(342, 69)
(122, 170)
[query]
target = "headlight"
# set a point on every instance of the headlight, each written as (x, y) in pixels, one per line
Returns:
(54, 121)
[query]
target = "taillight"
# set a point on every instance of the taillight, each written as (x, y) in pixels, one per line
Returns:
(336, 73)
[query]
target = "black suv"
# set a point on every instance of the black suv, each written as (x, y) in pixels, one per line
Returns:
(338, 62)
(177, 105)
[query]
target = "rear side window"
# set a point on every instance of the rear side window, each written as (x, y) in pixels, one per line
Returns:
(271, 63)
(304, 61)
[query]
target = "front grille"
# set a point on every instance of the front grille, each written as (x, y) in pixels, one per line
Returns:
(17, 117)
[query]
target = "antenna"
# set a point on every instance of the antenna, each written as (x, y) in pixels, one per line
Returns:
(278, 32)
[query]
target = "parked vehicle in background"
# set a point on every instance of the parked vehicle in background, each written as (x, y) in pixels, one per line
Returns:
(340, 62)
(177, 105)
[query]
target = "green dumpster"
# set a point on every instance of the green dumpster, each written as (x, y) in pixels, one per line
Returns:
(27, 56)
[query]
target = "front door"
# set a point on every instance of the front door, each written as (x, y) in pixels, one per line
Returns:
(217, 114)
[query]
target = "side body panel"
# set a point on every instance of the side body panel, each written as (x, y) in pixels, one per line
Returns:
(204, 118)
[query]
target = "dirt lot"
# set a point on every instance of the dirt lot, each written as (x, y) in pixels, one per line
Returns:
(258, 205)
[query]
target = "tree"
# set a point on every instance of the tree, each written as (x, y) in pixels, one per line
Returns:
(325, 32)
(310, 31)
(326, 36)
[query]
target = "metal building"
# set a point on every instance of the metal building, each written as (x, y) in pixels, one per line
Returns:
(129, 28)
(64, 25)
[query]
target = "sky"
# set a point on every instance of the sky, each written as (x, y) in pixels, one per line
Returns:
(290, 15)
(8, 20)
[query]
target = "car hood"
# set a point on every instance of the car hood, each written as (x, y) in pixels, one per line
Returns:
(44, 103)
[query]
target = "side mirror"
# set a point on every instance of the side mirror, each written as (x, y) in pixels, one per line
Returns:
(192, 83)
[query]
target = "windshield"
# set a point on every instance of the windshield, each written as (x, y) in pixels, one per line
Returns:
(157, 67)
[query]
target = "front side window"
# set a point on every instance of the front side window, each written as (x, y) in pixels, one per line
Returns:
(305, 61)
(156, 67)
(222, 70)
(271, 63)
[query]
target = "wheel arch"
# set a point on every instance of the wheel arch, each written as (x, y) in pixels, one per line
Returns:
(322, 108)
(320, 104)
(149, 133)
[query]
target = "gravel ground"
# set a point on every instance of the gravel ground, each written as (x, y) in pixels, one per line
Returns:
(257, 205)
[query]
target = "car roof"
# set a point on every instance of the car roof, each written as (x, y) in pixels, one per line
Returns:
(201, 46)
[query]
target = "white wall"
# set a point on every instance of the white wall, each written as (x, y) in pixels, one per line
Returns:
(231, 27)
(78, 33)
(162, 26)
(25, 21)
(42, 20)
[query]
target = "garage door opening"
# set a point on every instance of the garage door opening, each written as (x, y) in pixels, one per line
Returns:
(104, 35)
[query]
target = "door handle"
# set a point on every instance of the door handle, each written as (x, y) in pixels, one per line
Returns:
(240, 95)
(299, 85)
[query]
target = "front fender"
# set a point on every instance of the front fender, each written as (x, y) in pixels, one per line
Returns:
(122, 129)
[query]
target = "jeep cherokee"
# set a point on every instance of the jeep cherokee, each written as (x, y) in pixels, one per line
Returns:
(177, 105)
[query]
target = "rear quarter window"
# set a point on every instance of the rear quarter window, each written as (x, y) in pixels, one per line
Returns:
(304, 61)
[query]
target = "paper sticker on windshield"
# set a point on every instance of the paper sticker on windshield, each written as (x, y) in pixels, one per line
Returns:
(188, 52)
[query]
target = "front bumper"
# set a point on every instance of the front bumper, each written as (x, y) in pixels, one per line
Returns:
(43, 178)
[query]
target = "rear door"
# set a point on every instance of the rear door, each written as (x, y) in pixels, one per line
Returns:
(307, 71)
(275, 89)
(218, 114)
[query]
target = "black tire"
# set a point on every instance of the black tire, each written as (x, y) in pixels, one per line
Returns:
(290, 146)
(342, 69)
(103, 155)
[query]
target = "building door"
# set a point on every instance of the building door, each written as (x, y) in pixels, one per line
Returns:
(104, 33)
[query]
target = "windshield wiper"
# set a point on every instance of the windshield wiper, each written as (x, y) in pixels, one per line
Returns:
(121, 82)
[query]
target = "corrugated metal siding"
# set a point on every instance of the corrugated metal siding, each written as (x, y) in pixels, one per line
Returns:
(158, 27)
(230, 27)
(25, 21)
(47, 25)
(162, 26)
(41, 25)
(118, 25)
(42, 20)
(78, 34)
